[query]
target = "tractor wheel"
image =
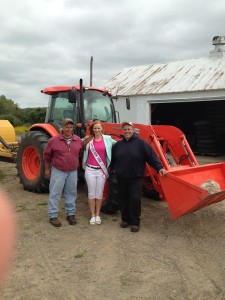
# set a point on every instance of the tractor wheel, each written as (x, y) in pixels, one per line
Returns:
(148, 189)
(110, 205)
(30, 162)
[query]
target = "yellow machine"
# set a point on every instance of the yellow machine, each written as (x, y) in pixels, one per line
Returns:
(8, 143)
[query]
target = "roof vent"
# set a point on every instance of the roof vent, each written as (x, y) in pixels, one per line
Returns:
(219, 51)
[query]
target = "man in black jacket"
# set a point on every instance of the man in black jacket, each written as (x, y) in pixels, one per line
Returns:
(129, 157)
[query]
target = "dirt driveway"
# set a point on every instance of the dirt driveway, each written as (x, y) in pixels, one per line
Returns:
(183, 259)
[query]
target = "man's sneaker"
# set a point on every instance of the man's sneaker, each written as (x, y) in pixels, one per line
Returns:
(92, 221)
(55, 222)
(98, 220)
(71, 220)
(134, 228)
(124, 224)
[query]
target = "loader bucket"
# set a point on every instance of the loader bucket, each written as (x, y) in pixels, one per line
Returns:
(185, 189)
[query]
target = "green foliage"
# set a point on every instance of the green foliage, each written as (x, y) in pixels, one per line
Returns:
(21, 129)
(42, 203)
(7, 106)
(12, 119)
(18, 116)
(79, 254)
(35, 115)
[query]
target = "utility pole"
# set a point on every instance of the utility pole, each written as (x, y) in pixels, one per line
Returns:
(91, 69)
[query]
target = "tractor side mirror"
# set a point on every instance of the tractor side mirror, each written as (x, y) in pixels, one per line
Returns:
(72, 96)
(128, 103)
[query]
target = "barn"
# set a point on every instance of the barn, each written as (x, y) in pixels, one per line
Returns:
(189, 94)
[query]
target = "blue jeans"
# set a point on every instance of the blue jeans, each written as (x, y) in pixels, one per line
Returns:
(65, 182)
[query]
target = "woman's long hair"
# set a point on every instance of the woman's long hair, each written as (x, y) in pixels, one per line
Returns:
(88, 138)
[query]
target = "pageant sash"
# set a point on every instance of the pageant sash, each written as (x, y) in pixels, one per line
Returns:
(98, 159)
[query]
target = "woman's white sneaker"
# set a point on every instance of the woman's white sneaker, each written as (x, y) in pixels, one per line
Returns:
(98, 220)
(92, 221)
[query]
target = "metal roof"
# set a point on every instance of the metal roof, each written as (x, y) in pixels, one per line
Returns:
(199, 74)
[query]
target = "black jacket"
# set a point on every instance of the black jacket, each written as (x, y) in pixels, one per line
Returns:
(129, 157)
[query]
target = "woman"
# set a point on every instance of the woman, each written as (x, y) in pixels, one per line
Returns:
(97, 158)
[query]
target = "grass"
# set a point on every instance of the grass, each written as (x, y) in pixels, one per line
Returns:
(2, 176)
(42, 203)
(21, 129)
(21, 208)
(79, 254)
(114, 220)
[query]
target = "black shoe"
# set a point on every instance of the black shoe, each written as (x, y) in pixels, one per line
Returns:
(71, 220)
(134, 228)
(55, 222)
(124, 224)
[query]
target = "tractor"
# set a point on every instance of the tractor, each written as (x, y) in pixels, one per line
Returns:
(186, 188)
(79, 103)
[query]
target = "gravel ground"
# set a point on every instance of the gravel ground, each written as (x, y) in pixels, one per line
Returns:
(167, 259)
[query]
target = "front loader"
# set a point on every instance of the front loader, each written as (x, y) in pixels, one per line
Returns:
(186, 186)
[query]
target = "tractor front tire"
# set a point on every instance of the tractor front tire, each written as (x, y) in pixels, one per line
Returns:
(148, 189)
(110, 205)
(30, 162)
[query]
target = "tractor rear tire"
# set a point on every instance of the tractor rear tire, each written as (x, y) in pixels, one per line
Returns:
(30, 162)
(110, 205)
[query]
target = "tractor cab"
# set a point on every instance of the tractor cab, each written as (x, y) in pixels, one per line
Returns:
(80, 104)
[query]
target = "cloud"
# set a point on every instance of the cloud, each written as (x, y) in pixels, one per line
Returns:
(50, 42)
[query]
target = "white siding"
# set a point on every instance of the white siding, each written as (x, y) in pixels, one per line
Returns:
(124, 113)
(139, 109)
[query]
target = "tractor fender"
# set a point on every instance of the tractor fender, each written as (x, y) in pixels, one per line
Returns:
(47, 128)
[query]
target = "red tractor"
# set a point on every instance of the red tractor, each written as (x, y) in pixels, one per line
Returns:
(187, 186)
(77, 102)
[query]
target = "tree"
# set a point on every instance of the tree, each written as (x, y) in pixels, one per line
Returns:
(6, 105)
(36, 115)
(17, 116)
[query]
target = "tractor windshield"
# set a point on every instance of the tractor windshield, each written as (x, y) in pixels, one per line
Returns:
(97, 105)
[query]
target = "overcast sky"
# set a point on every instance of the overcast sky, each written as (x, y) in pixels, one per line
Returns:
(47, 43)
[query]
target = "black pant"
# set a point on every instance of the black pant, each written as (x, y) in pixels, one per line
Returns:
(129, 194)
